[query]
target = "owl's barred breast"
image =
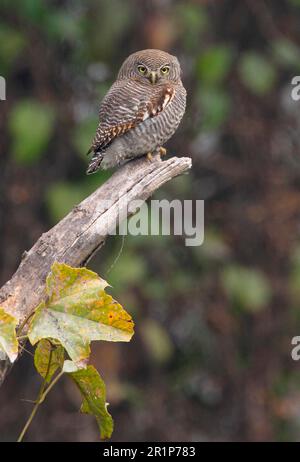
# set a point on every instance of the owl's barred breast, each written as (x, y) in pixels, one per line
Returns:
(148, 135)
(156, 131)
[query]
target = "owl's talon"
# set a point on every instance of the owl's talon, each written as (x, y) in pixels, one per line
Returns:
(162, 151)
(149, 156)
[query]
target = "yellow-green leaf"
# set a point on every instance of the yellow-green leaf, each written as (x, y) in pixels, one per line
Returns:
(8, 338)
(48, 358)
(77, 311)
(92, 389)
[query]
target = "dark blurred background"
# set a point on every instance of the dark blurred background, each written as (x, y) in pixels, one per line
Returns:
(210, 359)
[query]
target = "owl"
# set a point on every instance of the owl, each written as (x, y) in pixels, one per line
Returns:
(140, 112)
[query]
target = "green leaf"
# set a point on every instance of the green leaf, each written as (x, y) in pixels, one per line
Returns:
(8, 338)
(92, 389)
(31, 125)
(42, 357)
(257, 73)
(77, 311)
(248, 289)
(214, 64)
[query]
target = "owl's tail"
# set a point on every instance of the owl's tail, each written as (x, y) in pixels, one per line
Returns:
(95, 163)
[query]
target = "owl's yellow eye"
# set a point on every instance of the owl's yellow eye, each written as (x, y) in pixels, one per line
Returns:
(165, 70)
(142, 69)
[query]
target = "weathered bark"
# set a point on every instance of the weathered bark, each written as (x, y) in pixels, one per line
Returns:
(82, 232)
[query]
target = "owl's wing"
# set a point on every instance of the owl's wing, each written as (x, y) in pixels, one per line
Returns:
(125, 106)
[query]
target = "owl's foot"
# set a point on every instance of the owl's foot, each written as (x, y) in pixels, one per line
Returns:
(162, 151)
(95, 163)
(149, 156)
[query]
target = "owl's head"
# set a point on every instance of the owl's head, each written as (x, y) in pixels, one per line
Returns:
(151, 67)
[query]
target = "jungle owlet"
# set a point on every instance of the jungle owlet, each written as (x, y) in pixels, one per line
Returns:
(141, 111)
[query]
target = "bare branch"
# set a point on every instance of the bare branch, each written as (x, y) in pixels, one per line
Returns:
(83, 231)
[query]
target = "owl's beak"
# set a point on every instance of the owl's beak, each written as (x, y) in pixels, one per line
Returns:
(153, 77)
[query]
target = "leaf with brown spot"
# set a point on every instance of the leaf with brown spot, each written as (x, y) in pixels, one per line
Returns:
(77, 311)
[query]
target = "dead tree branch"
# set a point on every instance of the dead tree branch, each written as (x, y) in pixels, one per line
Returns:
(83, 231)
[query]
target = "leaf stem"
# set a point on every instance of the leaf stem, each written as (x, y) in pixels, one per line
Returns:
(24, 322)
(34, 410)
(54, 381)
(38, 401)
(22, 337)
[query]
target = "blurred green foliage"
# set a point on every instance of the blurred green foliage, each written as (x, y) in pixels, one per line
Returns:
(214, 64)
(286, 53)
(12, 44)
(257, 73)
(193, 21)
(62, 196)
(247, 289)
(84, 133)
(31, 126)
(157, 341)
(215, 104)
(130, 269)
(294, 279)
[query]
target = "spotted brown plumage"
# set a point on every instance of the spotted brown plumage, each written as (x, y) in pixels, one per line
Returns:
(141, 111)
